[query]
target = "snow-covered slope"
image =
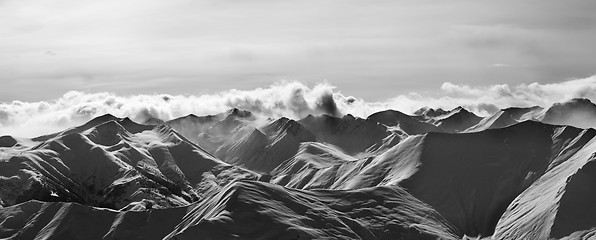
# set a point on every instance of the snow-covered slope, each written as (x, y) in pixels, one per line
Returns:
(212, 131)
(470, 179)
(191, 126)
(60, 220)
(410, 124)
(112, 164)
(352, 135)
(264, 149)
(316, 165)
(506, 117)
(260, 210)
(561, 202)
(576, 112)
(243, 210)
(428, 113)
(457, 120)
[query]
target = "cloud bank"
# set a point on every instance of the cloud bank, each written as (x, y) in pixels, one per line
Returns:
(289, 98)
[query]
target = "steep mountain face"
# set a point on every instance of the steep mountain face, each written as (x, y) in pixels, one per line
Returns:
(265, 149)
(62, 220)
(316, 165)
(575, 112)
(352, 135)
(560, 203)
(470, 179)
(409, 124)
(211, 132)
(191, 126)
(429, 113)
(506, 117)
(94, 122)
(318, 154)
(229, 129)
(244, 210)
(113, 164)
(457, 120)
(246, 147)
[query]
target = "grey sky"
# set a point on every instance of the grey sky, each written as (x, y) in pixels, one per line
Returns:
(371, 49)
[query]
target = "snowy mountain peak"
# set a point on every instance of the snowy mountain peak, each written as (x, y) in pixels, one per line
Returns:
(409, 124)
(579, 112)
(239, 113)
(430, 112)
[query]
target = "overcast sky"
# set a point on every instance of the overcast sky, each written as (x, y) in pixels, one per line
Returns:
(375, 50)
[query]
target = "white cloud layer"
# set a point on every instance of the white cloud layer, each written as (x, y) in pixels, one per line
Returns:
(291, 99)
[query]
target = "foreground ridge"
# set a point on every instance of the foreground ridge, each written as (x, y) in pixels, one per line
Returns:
(242, 210)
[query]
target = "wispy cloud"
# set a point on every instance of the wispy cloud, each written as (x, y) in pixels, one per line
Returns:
(291, 99)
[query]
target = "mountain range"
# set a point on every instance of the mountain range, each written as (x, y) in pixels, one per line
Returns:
(520, 173)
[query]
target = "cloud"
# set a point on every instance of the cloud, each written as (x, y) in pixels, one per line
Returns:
(288, 98)
(487, 99)
(291, 99)
(51, 47)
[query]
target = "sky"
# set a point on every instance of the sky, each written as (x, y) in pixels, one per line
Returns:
(63, 62)
(373, 49)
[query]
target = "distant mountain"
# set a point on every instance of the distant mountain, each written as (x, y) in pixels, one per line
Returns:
(191, 126)
(576, 112)
(212, 131)
(520, 173)
(409, 124)
(457, 120)
(154, 121)
(263, 150)
(112, 164)
(429, 113)
(506, 117)
(352, 135)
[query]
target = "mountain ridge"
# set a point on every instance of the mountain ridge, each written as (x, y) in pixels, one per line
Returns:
(519, 173)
